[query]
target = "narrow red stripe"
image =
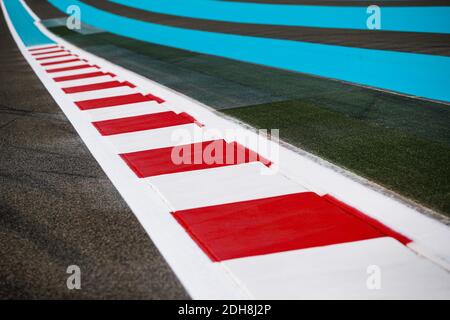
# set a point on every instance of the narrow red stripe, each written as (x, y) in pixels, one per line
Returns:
(270, 225)
(98, 86)
(84, 76)
(57, 56)
(43, 48)
(113, 101)
(196, 156)
(59, 62)
(82, 66)
(47, 52)
(143, 122)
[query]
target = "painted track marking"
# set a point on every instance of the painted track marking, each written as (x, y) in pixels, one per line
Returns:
(103, 152)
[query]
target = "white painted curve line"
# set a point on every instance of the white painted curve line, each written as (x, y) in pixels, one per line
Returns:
(212, 186)
(89, 68)
(56, 58)
(103, 93)
(62, 63)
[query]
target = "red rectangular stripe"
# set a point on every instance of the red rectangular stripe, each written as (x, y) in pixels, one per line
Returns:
(98, 86)
(59, 62)
(113, 101)
(195, 156)
(143, 122)
(276, 224)
(84, 76)
(43, 48)
(154, 98)
(57, 56)
(47, 52)
(82, 66)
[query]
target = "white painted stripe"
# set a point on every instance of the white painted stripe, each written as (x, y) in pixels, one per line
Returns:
(104, 93)
(156, 138)
(65, 65)
(72, 56)
(48, 54)
(201, 188)
(340, 272)
(72, 72)
(126, 110)
(101, 89)
(81, 82)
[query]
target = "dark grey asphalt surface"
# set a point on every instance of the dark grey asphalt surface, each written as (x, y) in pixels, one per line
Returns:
(57, 207)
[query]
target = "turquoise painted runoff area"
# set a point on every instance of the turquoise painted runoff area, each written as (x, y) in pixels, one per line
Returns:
(410, 19)
(415, 74)
(24, 24)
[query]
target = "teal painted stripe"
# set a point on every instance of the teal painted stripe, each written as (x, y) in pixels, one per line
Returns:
(24, 24)
(411, 19)
(416, 74)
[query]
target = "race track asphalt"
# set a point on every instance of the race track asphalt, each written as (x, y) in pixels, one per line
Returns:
(58, 208)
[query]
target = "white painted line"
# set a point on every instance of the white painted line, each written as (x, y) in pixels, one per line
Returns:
(104, 93)
(72, 72)
(341, 272)
(51, 54)
(63, 64)
(126, 110)
(156, 138)
(193, 189)
(82, 82)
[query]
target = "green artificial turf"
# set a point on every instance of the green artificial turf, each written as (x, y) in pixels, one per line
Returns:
(414, 167)
(399, 142)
